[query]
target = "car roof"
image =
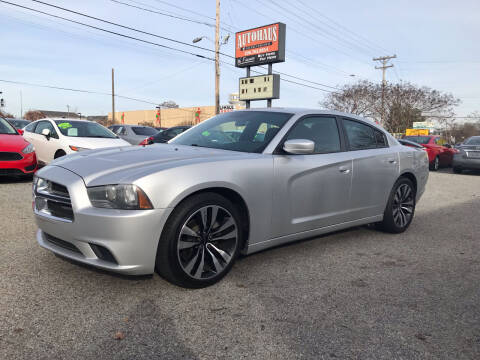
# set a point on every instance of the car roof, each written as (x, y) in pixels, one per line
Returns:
(63, 119)
(308, 111)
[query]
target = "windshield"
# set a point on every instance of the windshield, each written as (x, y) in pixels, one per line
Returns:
(144, 130)
(418, 139)
(246, 131)
(6, 128)
(472, 141)
(83, 129)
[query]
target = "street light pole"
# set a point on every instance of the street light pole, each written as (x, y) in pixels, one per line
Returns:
(113, 96)
(217, 59)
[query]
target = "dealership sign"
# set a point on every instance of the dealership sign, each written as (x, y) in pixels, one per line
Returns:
(262, 45)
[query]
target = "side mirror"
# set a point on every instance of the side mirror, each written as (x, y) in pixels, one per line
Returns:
(46, 133)
(299, 146)
(20, 131)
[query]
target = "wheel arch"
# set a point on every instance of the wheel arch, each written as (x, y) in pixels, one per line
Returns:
(411, 176)
(231, 194)
(58, 152)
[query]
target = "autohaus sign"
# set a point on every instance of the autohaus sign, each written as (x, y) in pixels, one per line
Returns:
(262, 45)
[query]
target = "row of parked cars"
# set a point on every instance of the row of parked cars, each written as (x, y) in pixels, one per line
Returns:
(25, 144)
(464, 156)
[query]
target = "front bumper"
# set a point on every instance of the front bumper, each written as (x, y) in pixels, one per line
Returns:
(462, 162)
(129, 236)
(25, 166)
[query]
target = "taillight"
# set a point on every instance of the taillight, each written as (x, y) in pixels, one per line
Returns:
(146, 141)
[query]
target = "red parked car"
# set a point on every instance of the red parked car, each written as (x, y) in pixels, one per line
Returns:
(438, 154)
(17, 156)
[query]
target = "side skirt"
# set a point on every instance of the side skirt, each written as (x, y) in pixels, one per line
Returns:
(252, 248)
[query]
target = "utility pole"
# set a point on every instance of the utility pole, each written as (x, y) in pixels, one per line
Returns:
(68, 111)
(384, 67)
(113, 96)
(217, 59)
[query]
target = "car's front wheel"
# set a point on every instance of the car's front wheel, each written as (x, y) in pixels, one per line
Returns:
(200, 241)
(400, 207)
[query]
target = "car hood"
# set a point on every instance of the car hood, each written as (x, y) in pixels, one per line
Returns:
(469, 147)
(126, 164)
(14, 143)
(95, 143)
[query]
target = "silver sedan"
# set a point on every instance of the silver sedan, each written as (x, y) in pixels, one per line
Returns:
(237, 183)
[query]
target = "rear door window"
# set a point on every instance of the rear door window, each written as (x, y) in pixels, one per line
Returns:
(31, 127)
(360, 136)
(381, 139)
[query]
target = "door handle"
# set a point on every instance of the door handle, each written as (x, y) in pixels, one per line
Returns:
(392, 161)
(344, 169)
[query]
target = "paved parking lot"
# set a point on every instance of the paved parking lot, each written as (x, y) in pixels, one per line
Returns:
(356, 294)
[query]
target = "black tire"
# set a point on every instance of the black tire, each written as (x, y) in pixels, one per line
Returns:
(170, 260)
(59, 153)
(457, 170)
(396, 217)
(435, 164)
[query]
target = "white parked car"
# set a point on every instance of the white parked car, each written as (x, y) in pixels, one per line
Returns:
(56, 137)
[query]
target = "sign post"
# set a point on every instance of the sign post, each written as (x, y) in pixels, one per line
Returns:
(259, 46)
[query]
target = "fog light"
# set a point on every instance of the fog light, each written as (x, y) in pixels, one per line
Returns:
(41, 203)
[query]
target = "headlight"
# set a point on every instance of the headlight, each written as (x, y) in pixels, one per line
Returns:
(28, 149)
(77, 148)
(127, 197)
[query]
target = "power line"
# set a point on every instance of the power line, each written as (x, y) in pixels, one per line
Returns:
(344, 28)
(76, 90)
(190, 11)
(324, 32)
(123, 26)
(149, 42)
(107, 31)
(178, 17)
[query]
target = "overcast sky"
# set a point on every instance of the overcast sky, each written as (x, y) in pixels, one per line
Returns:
(436, 43)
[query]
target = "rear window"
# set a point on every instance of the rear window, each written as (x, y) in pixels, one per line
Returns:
(144, 130)
(418, 139)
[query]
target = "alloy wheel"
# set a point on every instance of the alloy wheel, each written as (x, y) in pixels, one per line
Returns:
(403, 205)
(207, 242)
(437, 163)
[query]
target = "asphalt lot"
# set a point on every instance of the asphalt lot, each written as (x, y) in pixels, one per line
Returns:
(356, 294)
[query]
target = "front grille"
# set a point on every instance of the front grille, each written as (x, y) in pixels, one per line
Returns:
(473, 154)
(59, 189)
(54, 200)
(60, 210)
(10, 156)
(61, 243)
(10, 172)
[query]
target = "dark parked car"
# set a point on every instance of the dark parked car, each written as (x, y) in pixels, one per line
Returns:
(18, 123)
(165, 135)
(133, 133)
(468, 157)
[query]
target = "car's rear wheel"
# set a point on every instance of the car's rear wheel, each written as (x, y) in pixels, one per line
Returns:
(400, 207)
(457, 170)
(200, 241)
(435, 164)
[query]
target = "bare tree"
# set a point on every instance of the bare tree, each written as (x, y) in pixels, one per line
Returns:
(404, 103)
(6, 115)
(33, 115)
(170, 104)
